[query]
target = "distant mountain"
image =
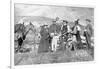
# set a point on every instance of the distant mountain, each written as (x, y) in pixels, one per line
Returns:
(38, 19)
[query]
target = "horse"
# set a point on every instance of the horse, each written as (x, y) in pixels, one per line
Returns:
(19, 28)
(21, 31)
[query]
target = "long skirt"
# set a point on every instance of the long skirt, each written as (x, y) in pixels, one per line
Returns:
(43, 45)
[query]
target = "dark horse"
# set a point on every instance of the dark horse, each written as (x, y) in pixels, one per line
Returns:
(21, 29)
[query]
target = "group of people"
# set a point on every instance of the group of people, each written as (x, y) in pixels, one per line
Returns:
(56, 37)
(66, 37)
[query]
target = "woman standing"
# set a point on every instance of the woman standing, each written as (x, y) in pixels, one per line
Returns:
(44, 42)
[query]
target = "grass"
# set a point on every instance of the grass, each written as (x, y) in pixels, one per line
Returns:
(52, 57)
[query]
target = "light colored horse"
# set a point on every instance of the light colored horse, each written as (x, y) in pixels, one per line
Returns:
(31, 34)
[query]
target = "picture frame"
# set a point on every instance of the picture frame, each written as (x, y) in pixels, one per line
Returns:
(12, 31)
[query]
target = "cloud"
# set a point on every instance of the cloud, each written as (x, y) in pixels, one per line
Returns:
(70, 13)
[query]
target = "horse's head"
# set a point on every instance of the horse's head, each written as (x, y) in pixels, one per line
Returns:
(19, 28)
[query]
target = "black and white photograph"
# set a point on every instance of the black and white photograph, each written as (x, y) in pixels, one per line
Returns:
(48, 34)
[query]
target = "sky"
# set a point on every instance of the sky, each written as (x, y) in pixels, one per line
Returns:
(63, 12)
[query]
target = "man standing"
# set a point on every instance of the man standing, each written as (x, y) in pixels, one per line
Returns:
(64, 27)
(64, 34)
(76, 32)
(88, 33)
